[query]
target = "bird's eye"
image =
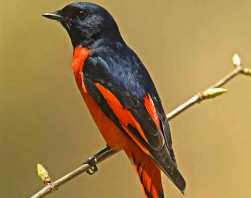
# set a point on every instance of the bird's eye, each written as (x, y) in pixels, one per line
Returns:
(82, 14)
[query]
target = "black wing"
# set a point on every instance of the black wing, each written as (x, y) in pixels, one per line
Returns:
(124, 76)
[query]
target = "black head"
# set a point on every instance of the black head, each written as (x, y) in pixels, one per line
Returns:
(86, 23)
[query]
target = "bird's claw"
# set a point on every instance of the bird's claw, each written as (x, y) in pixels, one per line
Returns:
(93, 165)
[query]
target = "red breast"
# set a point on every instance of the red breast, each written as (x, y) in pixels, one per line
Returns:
(80, 56)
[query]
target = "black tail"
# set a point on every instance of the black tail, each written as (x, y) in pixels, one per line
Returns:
(169, 167)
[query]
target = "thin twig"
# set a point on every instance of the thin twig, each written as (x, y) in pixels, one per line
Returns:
(99, 157)
(107, 152)
(199, 97)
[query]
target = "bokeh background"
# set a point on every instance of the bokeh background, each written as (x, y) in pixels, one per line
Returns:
(186, 45)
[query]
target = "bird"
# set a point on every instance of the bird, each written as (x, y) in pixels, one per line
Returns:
(120, 94)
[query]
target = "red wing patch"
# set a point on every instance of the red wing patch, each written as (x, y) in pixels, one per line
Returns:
(80, 55)
(124, 115)
(148, 102)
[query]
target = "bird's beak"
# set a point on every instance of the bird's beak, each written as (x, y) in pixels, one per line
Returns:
(53, 15)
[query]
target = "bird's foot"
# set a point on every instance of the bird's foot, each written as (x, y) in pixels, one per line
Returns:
(92, 161)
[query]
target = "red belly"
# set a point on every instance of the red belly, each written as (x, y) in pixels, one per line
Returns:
(112, 134)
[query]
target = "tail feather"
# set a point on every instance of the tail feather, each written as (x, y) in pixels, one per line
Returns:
(170, 169)
(150, 178)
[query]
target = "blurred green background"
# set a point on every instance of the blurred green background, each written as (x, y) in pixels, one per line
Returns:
(186, 45)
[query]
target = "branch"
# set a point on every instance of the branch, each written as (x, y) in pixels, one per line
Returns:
(90, 165)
